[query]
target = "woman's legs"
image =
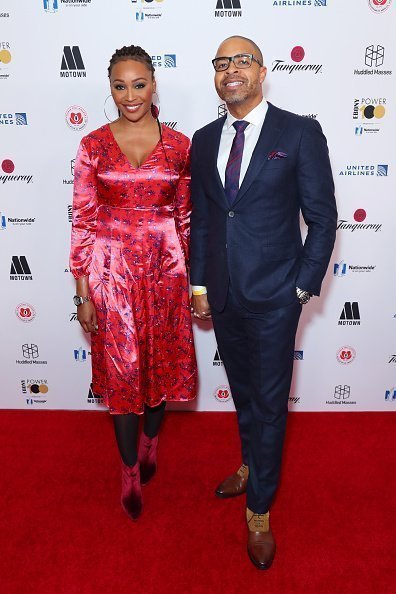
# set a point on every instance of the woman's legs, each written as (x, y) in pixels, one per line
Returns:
(153, 419)
(126, 430)
(149, 441)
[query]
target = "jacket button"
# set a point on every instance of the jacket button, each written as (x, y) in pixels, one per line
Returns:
(231, 213)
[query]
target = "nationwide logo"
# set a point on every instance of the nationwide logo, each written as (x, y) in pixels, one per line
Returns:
(5, 59)
(297, 55)
(30, 353)
(217, 361)
(359, 216)
(75, 3)
(76, 117)
(11, 119)
(16, 221)
(51, 5)
(365, 170)
(92, 399)
(373, 58)
(80, 355)
(3, 222)
(379, 6)
(346, 355)
(7, 169)
(298, 3)
(228, 8)
(222, 110)
(350, 315)
(25, 312)
(222, 394)
(148, 9)
(36, 389)
(172, 125)
(341, 268)
(165, 61)
(390, 395)
(70, 180)
(20, 269)
(298, 355)
(342, 394)
(72, 65)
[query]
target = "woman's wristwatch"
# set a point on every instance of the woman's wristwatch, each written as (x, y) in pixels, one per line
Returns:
(77, 300)
(303, 296)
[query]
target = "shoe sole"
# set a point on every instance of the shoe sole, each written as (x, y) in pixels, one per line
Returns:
(225, 496)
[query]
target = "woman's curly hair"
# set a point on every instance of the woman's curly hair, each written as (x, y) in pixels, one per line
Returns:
(131, 52)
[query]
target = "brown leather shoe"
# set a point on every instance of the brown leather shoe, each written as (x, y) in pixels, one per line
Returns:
(235, 484)
(261, 543)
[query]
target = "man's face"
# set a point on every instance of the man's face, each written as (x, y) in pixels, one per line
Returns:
(238, 86)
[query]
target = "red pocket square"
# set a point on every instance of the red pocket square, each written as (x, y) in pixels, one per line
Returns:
(276, 155)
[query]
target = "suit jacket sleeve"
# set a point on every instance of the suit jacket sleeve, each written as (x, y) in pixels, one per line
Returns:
(318, 206)
(183, 206)
(199, 221)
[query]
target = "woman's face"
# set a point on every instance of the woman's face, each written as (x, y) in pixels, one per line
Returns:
(132, 87)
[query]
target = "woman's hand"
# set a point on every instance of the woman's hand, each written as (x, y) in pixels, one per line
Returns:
(86, 315)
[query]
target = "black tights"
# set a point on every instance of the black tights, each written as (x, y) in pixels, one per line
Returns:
(126, 430)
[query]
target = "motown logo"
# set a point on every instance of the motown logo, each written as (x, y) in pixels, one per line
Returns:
(221, 110)
(346, 355)
(92, 399)
(222, 394)
(72, 63)
(350, 315)
(217, 362)
(20, 269)
(228, 8)
(76, 117)
(392, 359)
(297, 55)
(379, 6)
(6, 173)
(25, 312)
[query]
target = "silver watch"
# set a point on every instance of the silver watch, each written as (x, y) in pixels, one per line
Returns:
(303, 296)
(77, 300)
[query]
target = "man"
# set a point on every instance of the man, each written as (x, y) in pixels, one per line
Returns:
(253, 171)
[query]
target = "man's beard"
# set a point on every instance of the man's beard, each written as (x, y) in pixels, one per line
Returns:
(234, 97)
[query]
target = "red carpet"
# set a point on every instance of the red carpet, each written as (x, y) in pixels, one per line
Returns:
(62, 529)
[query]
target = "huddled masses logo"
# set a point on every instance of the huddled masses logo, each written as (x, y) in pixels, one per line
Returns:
(346, 355)
(6, 175)
(72, 64)
(25, 312)
(342, 392)
(20, 269)
(379, 6)
(76, 117)
(374, 56)
(172, 125)
(30, 354)
(297, 56)
(359, 225)
(350, 314)
(228, 8)
(222, 394)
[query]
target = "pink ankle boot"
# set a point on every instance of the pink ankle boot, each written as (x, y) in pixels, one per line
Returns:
(147, 457)
(131, 492)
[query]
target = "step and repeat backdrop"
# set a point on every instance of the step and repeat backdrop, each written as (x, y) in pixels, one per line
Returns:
(327, 59)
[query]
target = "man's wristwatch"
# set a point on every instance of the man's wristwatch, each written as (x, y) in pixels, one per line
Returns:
(303, 296)
(77, 300)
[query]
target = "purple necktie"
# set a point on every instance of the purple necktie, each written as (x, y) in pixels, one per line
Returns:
(233, 168)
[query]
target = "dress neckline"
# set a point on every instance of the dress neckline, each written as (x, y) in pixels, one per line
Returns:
(149, 156)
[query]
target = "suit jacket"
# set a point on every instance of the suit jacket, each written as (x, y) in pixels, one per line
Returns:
(256, 243)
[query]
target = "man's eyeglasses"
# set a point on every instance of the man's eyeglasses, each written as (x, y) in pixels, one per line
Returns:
(240, 61)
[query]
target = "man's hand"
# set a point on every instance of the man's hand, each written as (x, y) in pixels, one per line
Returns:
(200, 307)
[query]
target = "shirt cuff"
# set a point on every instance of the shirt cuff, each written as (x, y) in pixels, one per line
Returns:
(198, 290)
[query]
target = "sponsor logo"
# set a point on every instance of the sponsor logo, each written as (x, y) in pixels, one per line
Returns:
(390, 395)
(72, 65)
(4, 15)
(298, 355)
(350, 315)
(298, 3)
(294, 399)
(30, 354)
(228, 8)
(221, 110)
(36, 390)
(20, 269)
(346, 355)
(341, 268)
(6, 173)
(365, 170)
(70, 180)
(149, 9)
(222, 394)
(13, 119)
(76, 117)
(312, 116)
(51, 5)
(370, 111)
(3, 222)
(392, 359)
(25, 312)
(73, 317)
(70, 213)
(5, 59)
(359, 216)
(80, 355)
(379, 6)
(217, 362)
(297, 55)
(165, 61)
(92, 399)
(172, 125)
(374, 57)
(342, 394)
(75, 3)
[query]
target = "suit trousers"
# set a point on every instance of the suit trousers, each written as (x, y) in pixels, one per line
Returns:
(257, 350)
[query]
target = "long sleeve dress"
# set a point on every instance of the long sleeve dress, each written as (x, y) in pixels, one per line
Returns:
(130, 234)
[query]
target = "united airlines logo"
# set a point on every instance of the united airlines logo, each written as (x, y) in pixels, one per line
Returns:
(72, 64)
(228, 8)
(50, 5)
(350, 315)
(353, 170)
(10, 119)
(20, 269)
(165, 61)
(298, 355)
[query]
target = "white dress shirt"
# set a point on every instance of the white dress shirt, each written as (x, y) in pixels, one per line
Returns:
(252, 132)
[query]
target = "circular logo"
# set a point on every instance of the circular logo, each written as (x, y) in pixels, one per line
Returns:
(25, 312)
(379, 6)
(222, 394)
(5, 56)
(7, 166)
(297, 54)
(110, 109)
(76, 117)
(360, 215)
(346, 355)
(38, 388)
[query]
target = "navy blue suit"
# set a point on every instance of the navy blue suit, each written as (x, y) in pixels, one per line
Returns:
(251, 258)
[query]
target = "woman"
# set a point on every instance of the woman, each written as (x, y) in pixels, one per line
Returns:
(130, 240)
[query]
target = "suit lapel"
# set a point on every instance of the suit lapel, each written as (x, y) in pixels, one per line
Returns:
(269, 135)
(213, 153)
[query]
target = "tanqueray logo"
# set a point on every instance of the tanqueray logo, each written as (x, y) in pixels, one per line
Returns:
(297, 55)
